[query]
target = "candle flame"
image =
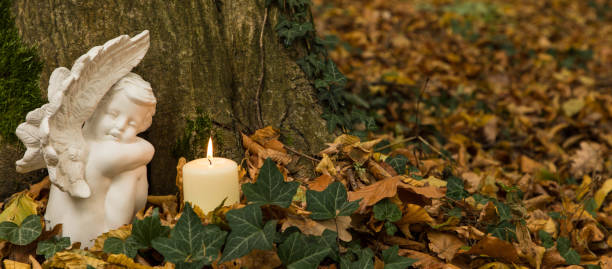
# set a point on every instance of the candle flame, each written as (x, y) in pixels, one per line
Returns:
(209, 151)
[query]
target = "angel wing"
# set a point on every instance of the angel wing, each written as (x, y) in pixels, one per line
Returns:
(53, 133)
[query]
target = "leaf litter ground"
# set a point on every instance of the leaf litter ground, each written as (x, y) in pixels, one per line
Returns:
(493, 151)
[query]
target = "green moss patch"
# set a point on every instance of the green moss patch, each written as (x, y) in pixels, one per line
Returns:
(20, 69)
(192, 144)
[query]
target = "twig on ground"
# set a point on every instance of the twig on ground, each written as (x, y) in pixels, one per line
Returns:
(301, 154)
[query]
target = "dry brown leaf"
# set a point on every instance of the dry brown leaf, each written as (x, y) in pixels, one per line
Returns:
(339, 143)
(529, 165)
(262, 136)
(252, 146)
(425, 261)
(9, 264)
(371, 194)
(168, 203)
(552, 258)
(316, 228)
(468, 232)
(488, 213)
(586, 159)
(496, 248)
(275, 145)
(490, 130)
(37, 188)
(377, 170)
(320, 183)
(472, 180)
(412, 214)
(445, 245)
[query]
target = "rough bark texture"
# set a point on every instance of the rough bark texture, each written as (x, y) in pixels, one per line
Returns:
(204, 54)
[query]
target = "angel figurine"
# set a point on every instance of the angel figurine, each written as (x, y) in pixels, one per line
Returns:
(86, 137)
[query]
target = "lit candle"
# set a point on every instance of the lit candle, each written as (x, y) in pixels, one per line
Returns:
(207, 181)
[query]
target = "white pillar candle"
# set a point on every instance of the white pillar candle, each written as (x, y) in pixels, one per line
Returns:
(207, 181)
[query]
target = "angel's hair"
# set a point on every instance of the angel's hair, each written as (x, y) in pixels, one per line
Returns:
(138, 91)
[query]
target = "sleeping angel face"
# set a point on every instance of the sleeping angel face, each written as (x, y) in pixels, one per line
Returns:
(125, 111)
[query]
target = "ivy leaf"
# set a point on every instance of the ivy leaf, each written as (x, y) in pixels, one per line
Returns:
(546, 238)
(114, 245)
(364, 260)
(568, 253)
(398, 162)
(328, 239)
(591, 206)
(455, 189)
(330, 203)
(191, 244)
(51, 246)
(312, 65)
(390, 228)
(387, 210)
(270, 187)
(394, 261)
(23, 234)
(503, 230)
(289, 30)
(301, 252)
(144, 231)
(247, 232)
(332, 75)
(503, 210)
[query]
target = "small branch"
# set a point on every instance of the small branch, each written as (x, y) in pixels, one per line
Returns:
(395, 143)
(263, 71)
(433, 148)
(301, 154)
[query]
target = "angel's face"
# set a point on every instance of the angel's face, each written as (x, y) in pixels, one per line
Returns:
(120, 119)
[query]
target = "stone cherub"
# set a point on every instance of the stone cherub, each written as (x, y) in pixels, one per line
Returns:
(86, 138)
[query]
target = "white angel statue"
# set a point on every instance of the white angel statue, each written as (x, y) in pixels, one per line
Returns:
(86, 138)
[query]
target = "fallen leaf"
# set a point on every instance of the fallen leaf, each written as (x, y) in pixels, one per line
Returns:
(73, 259)
(179, 178)
(377, 170)
(326, 166)
(472, 180)
(9, 264)
(602, 192)
(425, 261)
(36, 189)
(529, 165)
(316, 228)
(121, 259)
(495, 265)
(35, 263)
(20, 206)
(445, 245)
(573, 106)
(122, 233)
(320, 183)
(412, 214)
(496, 248)
(586, 159)
(263, 135)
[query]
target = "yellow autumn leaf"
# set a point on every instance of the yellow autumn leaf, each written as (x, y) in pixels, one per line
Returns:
(74, 259)
(434, 181)
(123, 232)
(326, 166)
(18, 208)
(9, 264)
(584, 188)
(602, 192)
(121, 259)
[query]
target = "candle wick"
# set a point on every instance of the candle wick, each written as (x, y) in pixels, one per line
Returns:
(210, 161)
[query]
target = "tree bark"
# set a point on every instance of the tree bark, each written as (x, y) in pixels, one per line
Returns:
(204, 54)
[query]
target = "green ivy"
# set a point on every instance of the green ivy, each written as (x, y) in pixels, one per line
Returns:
(20, 69)
(342, 109)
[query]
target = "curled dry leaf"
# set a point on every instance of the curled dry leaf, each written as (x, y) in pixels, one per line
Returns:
(34, 262)
(121, 259)
(326, 166)
(339, 143)
(602, 192)
(378, 170)
(468, 232)
(264, 135)
(36, 189)
(496, 248)
(316, 228)
(425, 261)
(445, 245)
(472, 180)
(179, 178)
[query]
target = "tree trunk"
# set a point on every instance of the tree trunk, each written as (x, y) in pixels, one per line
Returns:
(204, 64)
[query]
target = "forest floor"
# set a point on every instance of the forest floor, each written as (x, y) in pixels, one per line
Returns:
(493, 150)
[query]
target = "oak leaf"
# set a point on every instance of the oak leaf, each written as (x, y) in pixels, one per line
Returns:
(445, 245)
(496, 248)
